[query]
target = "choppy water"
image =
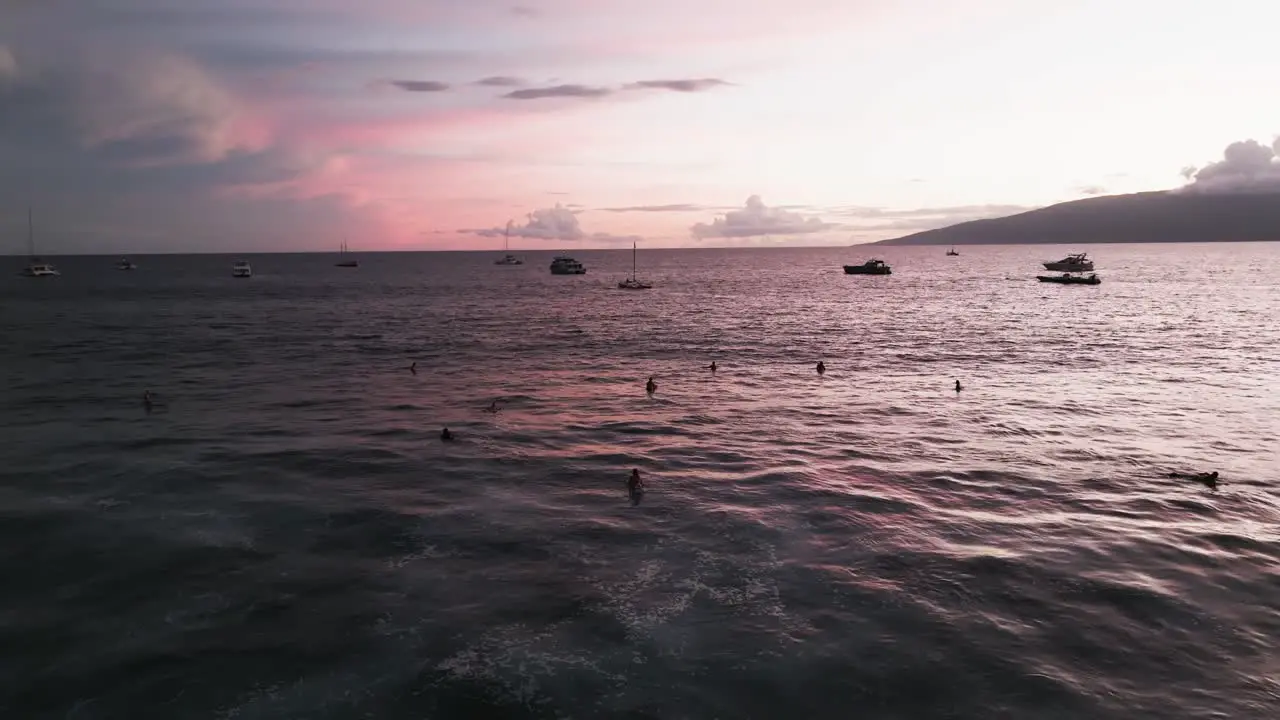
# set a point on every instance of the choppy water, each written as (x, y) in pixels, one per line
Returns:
(288, 538)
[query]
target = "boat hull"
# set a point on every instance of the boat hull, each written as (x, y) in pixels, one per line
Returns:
(348, 263)
(860, 270)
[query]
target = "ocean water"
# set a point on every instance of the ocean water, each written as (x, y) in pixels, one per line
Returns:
(287, 537)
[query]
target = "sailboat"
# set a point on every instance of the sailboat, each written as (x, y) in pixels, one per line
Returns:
(952, 251)
(36, 267)
(507, 259)
(632, 283)
(346, 261)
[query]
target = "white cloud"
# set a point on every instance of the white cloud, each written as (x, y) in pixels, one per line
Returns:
(1246, 166)
(755, 218)
(554, 223)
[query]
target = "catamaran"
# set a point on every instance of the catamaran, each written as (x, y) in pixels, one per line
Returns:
(633, 283)
(36, 267)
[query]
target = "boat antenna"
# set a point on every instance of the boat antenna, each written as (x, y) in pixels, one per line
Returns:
(31, 238)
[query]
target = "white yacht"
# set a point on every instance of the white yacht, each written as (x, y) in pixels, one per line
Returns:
(1078, 262)
(241, 269)
(565, 265)
(632, 282)
(507, 259)
(36, 267)
(126, 264)
(39, 269)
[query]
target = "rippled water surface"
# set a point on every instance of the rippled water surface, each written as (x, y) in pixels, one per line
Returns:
(287, 537)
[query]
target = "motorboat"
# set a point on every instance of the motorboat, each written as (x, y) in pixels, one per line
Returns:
(1078, 262)
(1065, 279)
(565, 265)
(39, 269)
(346, 261)
(126, 264)
(870, 267)
(35, 266)
(632, 282)
(241, 269)
(952, 251)
(507, 259)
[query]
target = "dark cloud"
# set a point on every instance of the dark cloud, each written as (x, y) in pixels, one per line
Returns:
(126, 147)
(755, 218)
(588, 91)
(556, 223)
(679, 207)
(697, 85)
(1246, 166)
(420, 85)
(571, 91)
(501, 81)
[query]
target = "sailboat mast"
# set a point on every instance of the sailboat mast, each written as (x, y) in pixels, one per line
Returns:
(633, 259)
(506, 238)
(31, 236)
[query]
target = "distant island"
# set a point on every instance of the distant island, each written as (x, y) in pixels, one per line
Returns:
(1149, 217)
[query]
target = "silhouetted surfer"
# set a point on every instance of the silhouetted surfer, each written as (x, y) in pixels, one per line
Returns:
(493, 407)
(414, 367)
(635, 487)
(446, 435)
(651, 387)
(822, 368)
(147, 402)
(712, 367)
(958, 386)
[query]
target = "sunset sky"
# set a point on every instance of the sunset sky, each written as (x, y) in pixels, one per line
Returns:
(238, 125)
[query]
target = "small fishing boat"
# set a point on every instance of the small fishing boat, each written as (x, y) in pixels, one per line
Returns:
(870, 267)
(241, 269)
(126, 264)
(952, 251)
(1064, 279)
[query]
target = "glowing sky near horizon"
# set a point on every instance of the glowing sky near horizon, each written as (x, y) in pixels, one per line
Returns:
(176, 125)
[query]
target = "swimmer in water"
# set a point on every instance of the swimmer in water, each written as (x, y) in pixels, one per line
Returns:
(651, 387)
(712, 367)
(414, 367)
(822, 367)
(446, 435)
(635, 486)
(1209, 480)
(957, 386)
(147, 402)
(493, 407)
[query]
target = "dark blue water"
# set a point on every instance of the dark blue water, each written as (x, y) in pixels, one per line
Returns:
(287, 537)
